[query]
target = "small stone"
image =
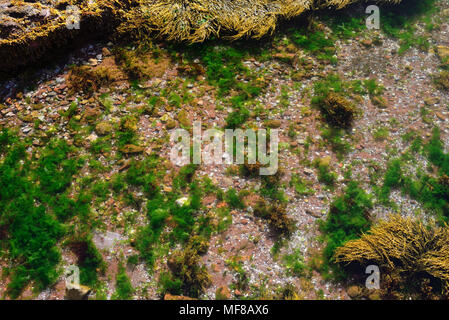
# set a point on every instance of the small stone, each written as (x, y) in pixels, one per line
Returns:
(299, 75)
(37, 106)
(431, 101)
(285, 57)
(308, 171)
(106, 52)
(354, 292)
(367, 43)
(314, 214)
(374, 296)
(274, 124)
(60, 80)
(183, 118)
(171, 124)
(165, 117)
(92, 137)
(441, 116)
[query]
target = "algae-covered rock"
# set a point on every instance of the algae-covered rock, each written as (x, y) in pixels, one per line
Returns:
(183, 118)
(354, 292)
(337, 110)
(171, 124)
(131, 148)
(30, 30)
(103, 128)
(140, 66)
(443, 52)
(88, 79)
(274, 123)
(442, 80)
(90, 114)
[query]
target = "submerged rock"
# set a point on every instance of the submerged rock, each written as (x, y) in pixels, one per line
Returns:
(443, 52)
(103, 128)
(29, 31)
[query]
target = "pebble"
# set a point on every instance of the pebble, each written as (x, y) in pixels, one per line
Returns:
(60, 80)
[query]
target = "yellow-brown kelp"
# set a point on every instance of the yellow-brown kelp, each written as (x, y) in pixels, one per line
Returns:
(40, 28)
(197, 20)
(404, 248)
